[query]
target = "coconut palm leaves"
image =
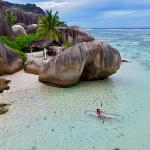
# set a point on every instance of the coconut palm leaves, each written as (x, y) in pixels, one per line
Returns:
(47, 26)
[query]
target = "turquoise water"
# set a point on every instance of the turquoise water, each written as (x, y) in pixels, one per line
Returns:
(133, 44)
(54, 119)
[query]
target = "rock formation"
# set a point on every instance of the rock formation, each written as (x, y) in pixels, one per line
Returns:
(86, 61)
(4, 108)
(27, 7)
(18, 30)
(5, 28)
(43, 43)
(9, 61)
(24, 17)
(27, 14)
(54, 50)
(30, 29)
(74, 35)
(34, 63)
(4, 84)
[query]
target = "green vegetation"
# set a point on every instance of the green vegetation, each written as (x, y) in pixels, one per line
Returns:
(10, 18)
(21, 54)
(68, 45)
(47, 26)
(20, 44)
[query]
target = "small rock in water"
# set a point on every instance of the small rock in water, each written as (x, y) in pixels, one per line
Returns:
(124, 60)
(116, 148)
(53, 130)
(4, 108)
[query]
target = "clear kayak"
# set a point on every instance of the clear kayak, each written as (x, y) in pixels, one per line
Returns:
(104, 115)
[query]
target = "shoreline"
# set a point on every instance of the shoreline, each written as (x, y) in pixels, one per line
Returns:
(21, 81)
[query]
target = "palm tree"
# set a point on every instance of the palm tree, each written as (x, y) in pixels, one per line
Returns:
(47, 26)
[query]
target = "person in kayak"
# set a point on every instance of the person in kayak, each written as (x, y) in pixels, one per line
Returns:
(98, 111)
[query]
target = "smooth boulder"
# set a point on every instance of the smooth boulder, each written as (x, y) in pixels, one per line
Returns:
(24, 17)
(4, 84)
(43, 43)
(18, 30)
(86, 61)
(10, 62)
(5, 28)
(74, 35)
(34, 63)
(30, 29)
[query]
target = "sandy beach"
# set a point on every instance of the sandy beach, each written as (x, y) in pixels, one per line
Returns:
(23, 81)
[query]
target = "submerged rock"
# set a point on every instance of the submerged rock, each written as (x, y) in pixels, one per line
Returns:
(4, 108)
(18, 30)
(9, 61)
(86, 61)
(123, 60)
(4, 85)
(74, 34)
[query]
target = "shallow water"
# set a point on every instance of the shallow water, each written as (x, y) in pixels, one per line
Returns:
(133, 44)
(54, 119)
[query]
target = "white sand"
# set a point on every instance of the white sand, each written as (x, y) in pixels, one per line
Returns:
(22, 81)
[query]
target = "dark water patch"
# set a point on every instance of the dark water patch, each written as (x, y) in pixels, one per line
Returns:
(116, 149)
(33, 148)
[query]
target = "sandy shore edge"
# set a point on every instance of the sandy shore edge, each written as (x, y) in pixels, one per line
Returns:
(22, 81)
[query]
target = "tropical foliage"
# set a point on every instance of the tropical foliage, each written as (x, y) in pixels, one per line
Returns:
(47, 26)
(21, 54)
(20, 42)
(10, 18)
(20, 45)
(67, 45)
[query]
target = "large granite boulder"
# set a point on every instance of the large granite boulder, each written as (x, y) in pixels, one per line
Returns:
(74, 35)
(5, 28)
(35, 62)
(21, 24)
(54, 50)
(24, 17)
(43, 43)
(30, 29)
(9, 61)
(86, 61)
(18, 30)
(4, 84)
(26, 7)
